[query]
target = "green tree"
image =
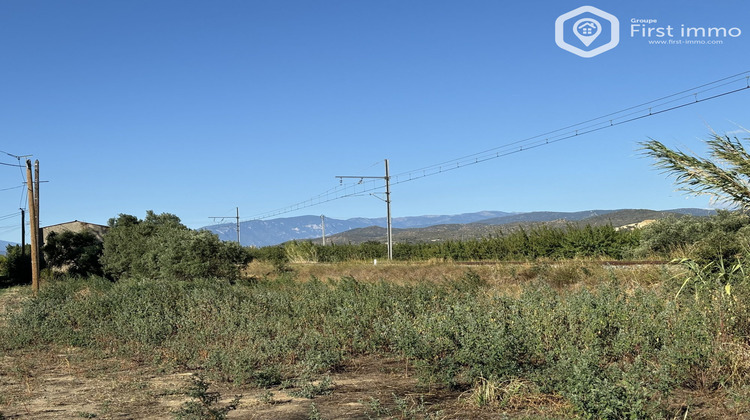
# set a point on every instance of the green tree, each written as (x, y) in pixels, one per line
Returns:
(725, 175)
(76, 252)
(3, 266)
(725, 235)
(18, 263)
(160, 246)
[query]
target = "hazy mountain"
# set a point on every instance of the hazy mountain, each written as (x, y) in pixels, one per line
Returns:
(496, 226)
(545, 216)
(424, 221)
(423, 228)
(694, 212)
(4, 244)
(630, 216)
(415, 235)
(276, 231)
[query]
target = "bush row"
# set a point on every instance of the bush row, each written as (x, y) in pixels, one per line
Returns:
(159, 246)
(724, 236)
(520, 244)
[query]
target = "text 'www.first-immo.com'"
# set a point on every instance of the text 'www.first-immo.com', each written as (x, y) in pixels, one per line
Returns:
(588, 32)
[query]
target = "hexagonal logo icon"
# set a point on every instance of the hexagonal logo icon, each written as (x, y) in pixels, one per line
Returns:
(587, 31)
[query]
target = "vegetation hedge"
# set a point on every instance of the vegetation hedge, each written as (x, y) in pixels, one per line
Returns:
(161, 247)
(724, 236)
(521, 244)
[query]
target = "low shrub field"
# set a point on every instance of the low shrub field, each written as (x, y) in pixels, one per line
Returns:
(609, 350)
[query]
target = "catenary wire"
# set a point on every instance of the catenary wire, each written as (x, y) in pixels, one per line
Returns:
(640, 111)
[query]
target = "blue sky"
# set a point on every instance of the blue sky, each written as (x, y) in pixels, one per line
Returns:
(198, 107)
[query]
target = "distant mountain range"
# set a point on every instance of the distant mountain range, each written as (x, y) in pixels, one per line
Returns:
(421, 228)
(3, 245)
(495, 226)
(276, 231)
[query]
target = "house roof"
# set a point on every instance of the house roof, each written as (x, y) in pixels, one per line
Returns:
(74, 221)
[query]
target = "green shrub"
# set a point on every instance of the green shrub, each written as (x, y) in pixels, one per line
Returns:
(204, 404)
(77, 253)
(725, 235)
(18, 263)
(161, 247)
(3, 266)
(300, 252)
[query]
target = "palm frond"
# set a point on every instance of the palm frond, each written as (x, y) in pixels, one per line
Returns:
(727, 183)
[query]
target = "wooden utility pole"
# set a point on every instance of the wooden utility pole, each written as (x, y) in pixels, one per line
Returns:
(39, 237)
(387, 178)
(34, 228)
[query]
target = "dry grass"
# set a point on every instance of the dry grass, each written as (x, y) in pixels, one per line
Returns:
(11, 299)
(738, 362)
(518, 395)
(505, 277)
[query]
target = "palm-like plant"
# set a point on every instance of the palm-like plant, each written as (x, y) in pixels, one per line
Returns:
(725, 175)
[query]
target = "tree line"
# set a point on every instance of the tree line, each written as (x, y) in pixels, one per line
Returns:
(157, 247)
(160, 246)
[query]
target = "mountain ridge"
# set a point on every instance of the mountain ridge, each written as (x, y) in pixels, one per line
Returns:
(478, 230)
(4, 245)
(439, 227)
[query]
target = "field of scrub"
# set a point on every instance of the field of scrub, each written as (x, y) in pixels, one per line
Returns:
(561, 339)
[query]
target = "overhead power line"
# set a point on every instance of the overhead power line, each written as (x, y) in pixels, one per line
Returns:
(644, 110)
(12, 188)
(702, 93)
(20, 167)
(10, 216)
(538, 142)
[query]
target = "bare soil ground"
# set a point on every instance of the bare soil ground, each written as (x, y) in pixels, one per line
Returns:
(69, 384)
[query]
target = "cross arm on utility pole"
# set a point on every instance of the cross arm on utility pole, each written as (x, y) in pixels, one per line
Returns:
(231, 217)
(387, 178)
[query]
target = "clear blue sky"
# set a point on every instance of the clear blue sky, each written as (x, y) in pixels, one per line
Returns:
(198, 107)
